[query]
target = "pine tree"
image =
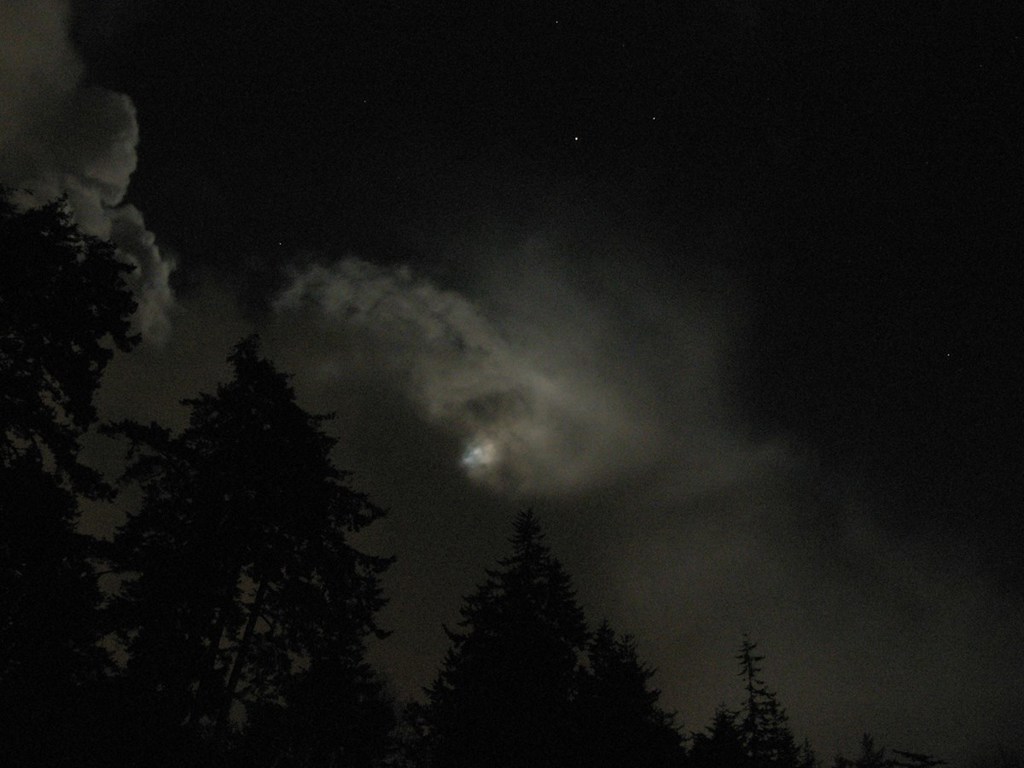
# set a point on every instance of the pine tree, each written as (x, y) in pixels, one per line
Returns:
(239, 572)
(764, 726)
(620, 720)
(336, 712)
(723, 746)
(64, 303)
(504, 696)
(64, 307)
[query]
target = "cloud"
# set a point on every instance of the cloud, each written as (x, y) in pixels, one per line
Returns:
(548, 390)
(528, 424)
(60, 136)
(609, 415)
(586, 388)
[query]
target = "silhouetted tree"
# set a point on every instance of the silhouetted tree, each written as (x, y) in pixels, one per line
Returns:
(335, 713)
(241, 584)
(764, 726)
(64, 304)
(755, 736)
(504, 696)
(50, 626)
(64, 307)
(806, 756)
(723, 746)
(620, 721)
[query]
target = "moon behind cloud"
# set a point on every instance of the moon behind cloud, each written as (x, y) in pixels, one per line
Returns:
(481, 453)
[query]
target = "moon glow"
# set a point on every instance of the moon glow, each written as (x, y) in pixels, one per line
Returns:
(480, 453)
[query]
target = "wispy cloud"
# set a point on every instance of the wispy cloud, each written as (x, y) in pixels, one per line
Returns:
(548, 392)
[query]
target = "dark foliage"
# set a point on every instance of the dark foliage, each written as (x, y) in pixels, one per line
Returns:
(242, 594)
(620, 721)
(513, 692)
(722, 746)
(243, 608)
(504, 694)
(757, 735)
(764, 727)
(64, 306)
(335, 713)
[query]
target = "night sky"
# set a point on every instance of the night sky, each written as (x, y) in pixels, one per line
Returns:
(730, 292)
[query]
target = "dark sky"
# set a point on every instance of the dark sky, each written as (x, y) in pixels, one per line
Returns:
(730, 292)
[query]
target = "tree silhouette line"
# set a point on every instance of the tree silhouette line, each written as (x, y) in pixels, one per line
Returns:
(234, 612)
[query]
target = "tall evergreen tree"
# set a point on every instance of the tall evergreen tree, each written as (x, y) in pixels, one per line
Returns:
(504, 696)
(764, 725)
(620, 721)
(334, 713)
(722, 746)
(64, 307)
(239, 571)
(757, 735)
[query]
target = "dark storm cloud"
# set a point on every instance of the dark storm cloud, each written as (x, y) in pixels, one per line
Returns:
(60, 136)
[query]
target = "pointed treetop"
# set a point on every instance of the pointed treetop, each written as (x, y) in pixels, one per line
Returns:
(526, 530)
(251, 366)
(748, 660)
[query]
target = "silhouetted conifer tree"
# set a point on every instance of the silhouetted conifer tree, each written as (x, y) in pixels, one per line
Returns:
(764, 726)
(755, 736)
(241, 585)
(334, 713)
(806, 756)
(512, 691)
(504, 696)
(64, 307)
(621, 723)
(722, 746)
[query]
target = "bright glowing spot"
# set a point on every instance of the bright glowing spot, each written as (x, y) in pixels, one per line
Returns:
(479, 453)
